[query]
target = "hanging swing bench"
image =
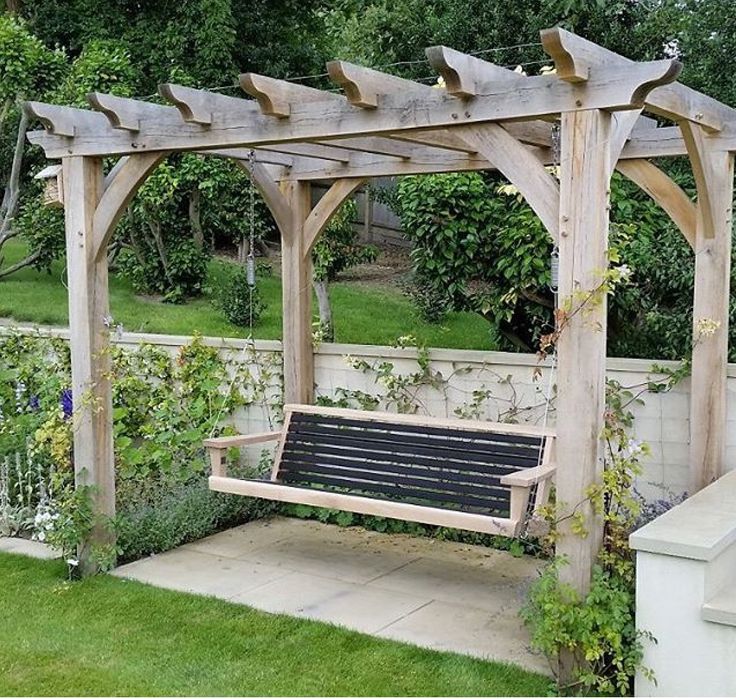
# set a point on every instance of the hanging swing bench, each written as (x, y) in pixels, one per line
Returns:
(479, 476)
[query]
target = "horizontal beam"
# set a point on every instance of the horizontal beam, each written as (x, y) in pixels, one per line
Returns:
(536, 97)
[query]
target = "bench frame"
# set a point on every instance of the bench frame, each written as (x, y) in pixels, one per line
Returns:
(520, 483)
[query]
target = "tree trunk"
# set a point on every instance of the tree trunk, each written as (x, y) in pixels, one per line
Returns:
(10, 201)
(325, 310)
(134, 244)
(155, 227)
(195, 217)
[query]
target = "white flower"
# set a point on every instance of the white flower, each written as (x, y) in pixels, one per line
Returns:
(73, 562)
(41, 536)
(634, 447)
(707, 326)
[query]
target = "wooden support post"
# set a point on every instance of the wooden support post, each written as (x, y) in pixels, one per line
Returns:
(296, 266)
(584, 204)
(90, 357)
(714, 170)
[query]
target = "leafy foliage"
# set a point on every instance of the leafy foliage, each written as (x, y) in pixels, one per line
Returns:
(27, 67)
(598, 630)
(241, 303)
(476, 250)
(338, 249)
(164, 407)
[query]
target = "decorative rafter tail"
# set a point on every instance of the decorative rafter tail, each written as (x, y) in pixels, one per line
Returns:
(462, 73)
(191, 103)
(570, 65)
(127, 114)
(363, 86)
(64, 121)
(576, 57)
(275, 96)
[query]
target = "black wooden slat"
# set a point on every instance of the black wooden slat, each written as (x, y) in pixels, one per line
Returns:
(409, 444)
(400, 457)
(451, 432)
(297, 469)
(358, 462)
(404, 493)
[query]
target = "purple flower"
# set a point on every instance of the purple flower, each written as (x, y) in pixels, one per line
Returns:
(34, 404)
(66, 402)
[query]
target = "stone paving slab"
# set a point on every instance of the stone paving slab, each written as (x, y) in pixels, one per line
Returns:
(359, 607)
(202, 573)
(28, 547)
(436, 594)
(469, 630)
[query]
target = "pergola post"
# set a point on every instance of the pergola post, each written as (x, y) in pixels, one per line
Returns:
(583, 240)
(90, 356)
(714, 171)
(296, 278)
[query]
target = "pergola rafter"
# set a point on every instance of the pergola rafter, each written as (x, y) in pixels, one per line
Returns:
(484, 117)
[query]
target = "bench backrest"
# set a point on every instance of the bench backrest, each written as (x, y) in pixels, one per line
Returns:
(452, 464)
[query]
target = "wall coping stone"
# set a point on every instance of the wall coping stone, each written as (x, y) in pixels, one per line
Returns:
(700, 528)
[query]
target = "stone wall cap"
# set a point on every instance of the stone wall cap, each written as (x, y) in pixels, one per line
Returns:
(700, 528)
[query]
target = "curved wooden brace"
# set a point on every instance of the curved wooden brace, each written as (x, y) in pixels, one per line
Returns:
(277, 203)
(522, 168)
(330, 202)
(661, 188)
(622, 124)
(706, 180)
(126, 180)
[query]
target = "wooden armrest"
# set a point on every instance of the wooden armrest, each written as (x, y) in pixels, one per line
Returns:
(529, 476)
(240, 440)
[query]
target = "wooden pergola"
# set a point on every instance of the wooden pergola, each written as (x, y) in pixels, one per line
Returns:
(484, 118)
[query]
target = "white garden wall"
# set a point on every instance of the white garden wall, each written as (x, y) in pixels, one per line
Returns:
(517, 384)
(693, 621)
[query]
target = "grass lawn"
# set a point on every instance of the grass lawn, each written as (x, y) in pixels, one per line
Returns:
(107, 636)
(363, 314)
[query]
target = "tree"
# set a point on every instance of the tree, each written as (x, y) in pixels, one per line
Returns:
(103, 66)
(27, 70)
(335, 251)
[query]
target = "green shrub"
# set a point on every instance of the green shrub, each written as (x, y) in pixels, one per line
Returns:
(241, 303)
(158, 516)
(164, 406)
(182, 277)
(432, 303)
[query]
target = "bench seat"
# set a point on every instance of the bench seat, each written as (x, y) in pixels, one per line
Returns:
(473, 475)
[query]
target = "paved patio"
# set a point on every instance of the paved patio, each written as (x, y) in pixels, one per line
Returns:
(435, 594)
